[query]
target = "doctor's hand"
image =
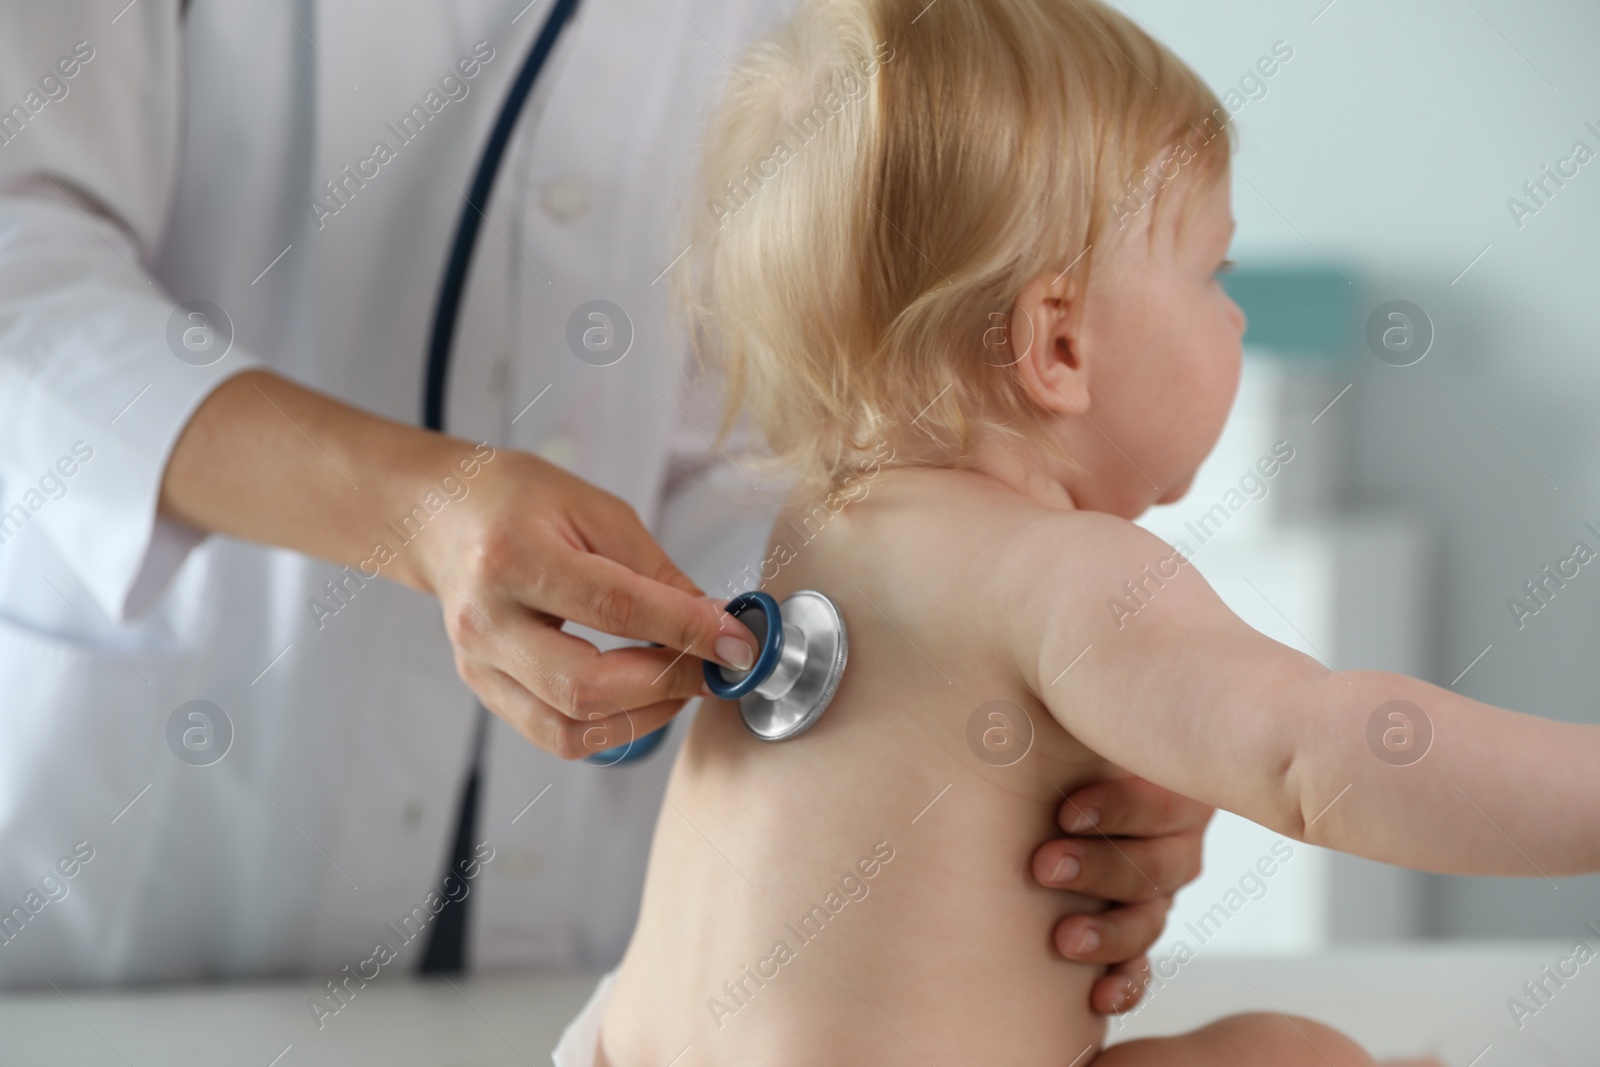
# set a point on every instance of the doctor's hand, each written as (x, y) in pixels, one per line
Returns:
(532, 547)
(513, 547)
(1133, 844)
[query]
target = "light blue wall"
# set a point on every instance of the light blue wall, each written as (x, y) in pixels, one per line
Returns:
(1388, 147)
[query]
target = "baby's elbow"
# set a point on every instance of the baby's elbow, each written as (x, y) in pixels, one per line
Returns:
(1302, 751)
(1290, 815)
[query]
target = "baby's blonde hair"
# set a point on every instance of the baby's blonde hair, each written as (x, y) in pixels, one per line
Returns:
(881, 179)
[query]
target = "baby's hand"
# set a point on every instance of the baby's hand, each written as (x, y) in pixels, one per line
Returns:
(1133, 844)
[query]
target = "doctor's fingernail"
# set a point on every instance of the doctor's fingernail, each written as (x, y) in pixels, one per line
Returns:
(734, 652)
(1083, 942)
(1067, 868)
(1085, 819)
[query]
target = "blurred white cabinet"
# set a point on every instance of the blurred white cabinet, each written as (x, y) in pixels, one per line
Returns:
(1348, 591)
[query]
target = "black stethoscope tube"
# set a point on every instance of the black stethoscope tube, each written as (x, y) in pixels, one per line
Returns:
(446, 952)
(448, 308)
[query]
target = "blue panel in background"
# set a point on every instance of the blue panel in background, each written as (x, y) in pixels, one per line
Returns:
(1297, 310)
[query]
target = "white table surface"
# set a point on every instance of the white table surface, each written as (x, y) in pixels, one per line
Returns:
(1446, 1000)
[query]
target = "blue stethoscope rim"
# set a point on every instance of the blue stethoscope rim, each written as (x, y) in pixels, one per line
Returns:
(716, 679)
(771, 648)
(637, 749)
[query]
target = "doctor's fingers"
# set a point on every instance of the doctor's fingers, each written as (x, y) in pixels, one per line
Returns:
(1113, 936)
(567, 672)
(1121, 987)
(1132, 807)
(1127, 870)
(618, 534)
(611, 597)
(564, 737)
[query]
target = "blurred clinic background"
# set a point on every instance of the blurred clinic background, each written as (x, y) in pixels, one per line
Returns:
(1417, 188)
(1419, 255)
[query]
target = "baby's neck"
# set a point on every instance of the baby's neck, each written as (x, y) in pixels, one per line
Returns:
(1020, 468)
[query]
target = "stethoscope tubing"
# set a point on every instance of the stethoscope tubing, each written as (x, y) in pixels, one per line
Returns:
(448, 307)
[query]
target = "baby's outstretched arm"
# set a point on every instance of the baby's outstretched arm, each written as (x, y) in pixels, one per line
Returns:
(1173, 686)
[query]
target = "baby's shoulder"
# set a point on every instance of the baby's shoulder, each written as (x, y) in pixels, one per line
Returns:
(960, 515)
(936, 534)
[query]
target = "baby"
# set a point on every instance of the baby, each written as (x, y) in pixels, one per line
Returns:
(959, 267)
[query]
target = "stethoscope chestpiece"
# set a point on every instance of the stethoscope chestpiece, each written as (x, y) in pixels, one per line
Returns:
(802, 658)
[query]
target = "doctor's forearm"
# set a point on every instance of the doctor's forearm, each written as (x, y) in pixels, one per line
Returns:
(267, 460)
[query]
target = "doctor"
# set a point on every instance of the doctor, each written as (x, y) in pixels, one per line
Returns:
(221, 227)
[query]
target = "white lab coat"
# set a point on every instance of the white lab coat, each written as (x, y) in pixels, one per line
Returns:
(192, 153)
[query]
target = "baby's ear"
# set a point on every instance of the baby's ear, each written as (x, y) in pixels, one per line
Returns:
(1045, 343)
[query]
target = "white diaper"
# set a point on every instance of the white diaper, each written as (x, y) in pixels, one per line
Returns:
(581, 1039)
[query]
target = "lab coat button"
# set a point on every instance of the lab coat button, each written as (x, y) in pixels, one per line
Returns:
(564, 199)
(524, 864)
(557, 450)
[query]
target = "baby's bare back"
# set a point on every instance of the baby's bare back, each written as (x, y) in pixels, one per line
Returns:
(863, 893)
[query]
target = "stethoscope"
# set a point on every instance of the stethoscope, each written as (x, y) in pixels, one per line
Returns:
(803, 640)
